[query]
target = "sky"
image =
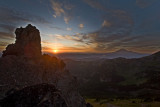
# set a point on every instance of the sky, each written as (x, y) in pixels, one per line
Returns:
(96, 26)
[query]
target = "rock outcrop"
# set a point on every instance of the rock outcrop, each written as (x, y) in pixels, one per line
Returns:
(22, 65)
(40, 95)
(28, 43)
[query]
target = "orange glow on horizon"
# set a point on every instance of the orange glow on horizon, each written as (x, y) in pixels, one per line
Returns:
(55, 51)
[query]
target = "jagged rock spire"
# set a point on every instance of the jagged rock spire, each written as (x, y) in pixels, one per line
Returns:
(28, 43)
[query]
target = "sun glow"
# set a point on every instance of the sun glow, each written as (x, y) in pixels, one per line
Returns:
(55, 50)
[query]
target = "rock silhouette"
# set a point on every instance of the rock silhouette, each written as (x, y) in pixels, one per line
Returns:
(28, 43)
(22, 65)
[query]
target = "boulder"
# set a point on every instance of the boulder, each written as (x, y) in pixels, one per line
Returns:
(40, 95)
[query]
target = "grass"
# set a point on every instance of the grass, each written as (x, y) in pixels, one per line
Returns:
(122, 103)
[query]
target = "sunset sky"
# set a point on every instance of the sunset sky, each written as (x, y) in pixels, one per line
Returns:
(85, 25)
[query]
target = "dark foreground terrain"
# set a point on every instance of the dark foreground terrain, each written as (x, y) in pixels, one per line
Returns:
(41, 95)
(22, 67)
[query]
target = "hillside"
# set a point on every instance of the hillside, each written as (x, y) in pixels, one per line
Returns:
(109, 76)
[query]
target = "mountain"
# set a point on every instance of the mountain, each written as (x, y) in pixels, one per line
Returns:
(118, 77)
(125, 54)
(96, 56)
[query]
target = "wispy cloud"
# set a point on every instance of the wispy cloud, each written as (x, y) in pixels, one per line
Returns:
(7, 27)
(95, 4)
(46, 49)
(106, 24)
(62, 9)
(115, 33)
(4, 35)
(15, 17)
(145, 3)
(69, 29)
(57, 7)
(78, 37)
(68, 37)
(57, 28)
(2, 44)
(81, 26)
(67, 19)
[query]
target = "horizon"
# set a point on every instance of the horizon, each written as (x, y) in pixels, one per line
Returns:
(96, 52)
(55, 53)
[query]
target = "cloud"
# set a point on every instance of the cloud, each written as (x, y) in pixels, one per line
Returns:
(54, 16)
(145, 43)
(69, 29)
(141, 43)
(46, 42)
(95, 4)
(106, 24)
(46, 49)
(62, 9)
(67, 19)
(7, 28)
(72, 48)
(116, 28)
(4, 38)
(57, 7)
(4, 35)
(81, 26)
(79, 37)
(57, 28)
(3, 44)
(14, 17)
(68, 37)
(145, 3)
(68, 6)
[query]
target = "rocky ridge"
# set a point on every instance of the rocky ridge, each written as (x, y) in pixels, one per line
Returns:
(28, 43)
(22, 65)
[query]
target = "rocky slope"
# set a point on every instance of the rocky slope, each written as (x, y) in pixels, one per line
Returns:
(22, 65)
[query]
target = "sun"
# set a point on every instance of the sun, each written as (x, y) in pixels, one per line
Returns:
(55, 50)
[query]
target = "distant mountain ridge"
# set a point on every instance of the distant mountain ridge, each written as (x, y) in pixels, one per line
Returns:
(94, 56)
(125, 54)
